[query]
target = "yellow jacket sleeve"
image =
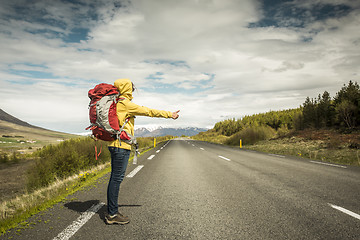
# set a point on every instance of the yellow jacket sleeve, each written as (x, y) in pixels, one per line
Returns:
(136, 110)
(127, 109)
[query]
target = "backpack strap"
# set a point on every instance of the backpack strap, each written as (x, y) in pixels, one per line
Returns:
(131, 141)
(121, 129)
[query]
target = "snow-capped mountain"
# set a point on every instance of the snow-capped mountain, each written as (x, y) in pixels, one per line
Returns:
(158, 132)
(142, 131)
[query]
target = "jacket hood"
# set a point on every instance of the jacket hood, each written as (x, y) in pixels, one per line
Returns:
(125, 87)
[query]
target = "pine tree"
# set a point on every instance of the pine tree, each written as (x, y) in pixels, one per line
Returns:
(309, 113)
(347, 105)
(325, 110)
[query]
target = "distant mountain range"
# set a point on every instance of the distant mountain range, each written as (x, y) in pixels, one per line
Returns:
(189, 131)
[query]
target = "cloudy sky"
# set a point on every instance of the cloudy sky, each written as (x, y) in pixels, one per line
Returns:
(212, 59)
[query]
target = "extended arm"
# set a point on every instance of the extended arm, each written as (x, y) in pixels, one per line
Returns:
(134, 109)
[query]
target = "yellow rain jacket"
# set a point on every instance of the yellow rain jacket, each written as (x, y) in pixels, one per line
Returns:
(127, 109)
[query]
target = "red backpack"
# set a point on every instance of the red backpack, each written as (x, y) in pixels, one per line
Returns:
(102, 112)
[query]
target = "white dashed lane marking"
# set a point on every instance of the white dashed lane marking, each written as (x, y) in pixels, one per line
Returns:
(78, 223)
(224, 158)
(135, 171)
(348, 212)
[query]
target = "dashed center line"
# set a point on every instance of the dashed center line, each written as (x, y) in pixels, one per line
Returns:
(135, 171)
(348, 212)
(151, 157)
(202, 149)
(224, 158)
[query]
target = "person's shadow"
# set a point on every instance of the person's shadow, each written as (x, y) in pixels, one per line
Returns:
(82, 207)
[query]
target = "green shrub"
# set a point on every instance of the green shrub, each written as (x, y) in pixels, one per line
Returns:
(65, 159)
(15, 157)
(9, 158)
(4, 158)
(251, 135)
(210, 136)
(282, 131)
(146, 142)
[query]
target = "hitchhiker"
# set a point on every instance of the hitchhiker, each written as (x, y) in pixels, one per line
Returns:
(120, 151)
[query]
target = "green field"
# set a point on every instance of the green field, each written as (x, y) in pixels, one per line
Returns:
(21, 139)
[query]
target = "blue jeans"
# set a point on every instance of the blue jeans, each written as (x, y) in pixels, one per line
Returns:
(119, 162)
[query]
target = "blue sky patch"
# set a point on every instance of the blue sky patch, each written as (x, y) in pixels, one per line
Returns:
(158, 86)
(58, 25)
(155, 76)
(284, 13)
(187, 86)
(168, 62)
(77, 34)
(31, 70)
(32, 74)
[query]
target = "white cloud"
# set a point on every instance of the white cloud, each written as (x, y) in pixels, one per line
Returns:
(202, 47)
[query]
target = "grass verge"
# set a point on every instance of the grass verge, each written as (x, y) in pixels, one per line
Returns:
(321, 145)
(317, 150)
(17, 210)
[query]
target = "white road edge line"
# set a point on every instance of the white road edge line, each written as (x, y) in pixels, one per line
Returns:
(355, 215)
(78, 223)
(151, 157)
(328, 164)
(224, 158)
(135, 171)
(276, 155)
(157, 151)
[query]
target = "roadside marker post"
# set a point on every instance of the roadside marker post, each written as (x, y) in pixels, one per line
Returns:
(154, 142)
(240, 143)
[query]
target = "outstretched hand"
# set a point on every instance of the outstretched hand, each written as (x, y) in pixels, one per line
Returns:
(175, 115)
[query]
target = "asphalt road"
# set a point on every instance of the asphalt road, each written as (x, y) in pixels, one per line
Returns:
(195, 190)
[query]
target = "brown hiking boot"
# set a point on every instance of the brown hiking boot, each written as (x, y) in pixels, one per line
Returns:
(117, 219)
